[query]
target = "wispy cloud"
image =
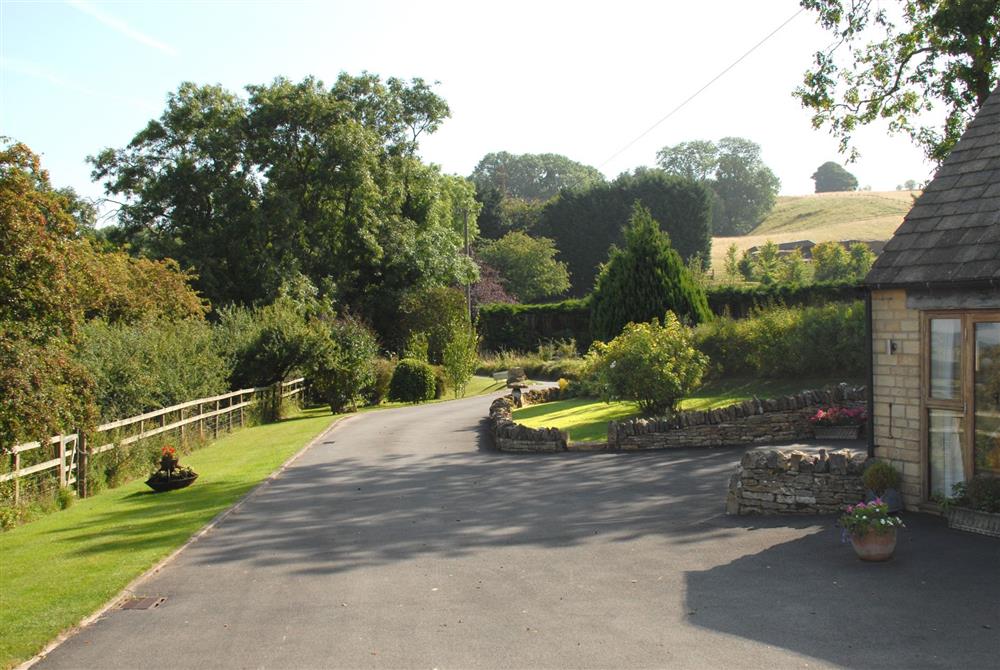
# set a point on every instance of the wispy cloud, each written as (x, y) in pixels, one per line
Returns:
(29, 69)
(120, 26)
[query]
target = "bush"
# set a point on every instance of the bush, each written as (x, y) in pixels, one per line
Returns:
(650, 364)
(433, 311)
(524, 327)
(880, 476)
(460, 359)
(784, 342)
(440, 381)
(535, 366)
(341, 376)
(378, 389)
(980, 493)
(412, 381)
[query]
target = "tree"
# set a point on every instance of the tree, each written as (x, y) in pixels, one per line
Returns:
(831, 262)
(461, 356)
(650, 364)
(532, 176)
(900, 63)
(732, 264)
(527, 266)
(744, 188)
(296, 177)
(793, 268)
(831, 177)
(643, 281)
(342, 375)
(585, 223)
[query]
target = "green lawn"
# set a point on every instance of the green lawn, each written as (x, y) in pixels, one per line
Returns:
(586, 419)
(57, 570)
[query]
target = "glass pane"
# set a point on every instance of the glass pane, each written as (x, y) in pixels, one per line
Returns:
(945, 451)
(946, 355)
(986, 449)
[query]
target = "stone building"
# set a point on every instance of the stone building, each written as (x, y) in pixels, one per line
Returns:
(935, 325)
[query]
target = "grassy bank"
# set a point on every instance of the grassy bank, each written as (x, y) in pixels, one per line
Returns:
(586, 419)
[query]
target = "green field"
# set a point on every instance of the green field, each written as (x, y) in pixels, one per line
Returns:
(586, 419)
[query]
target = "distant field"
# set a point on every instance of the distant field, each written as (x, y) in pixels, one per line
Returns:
(857, 215)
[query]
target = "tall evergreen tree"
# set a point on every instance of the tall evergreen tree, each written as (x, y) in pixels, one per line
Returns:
(643, 281)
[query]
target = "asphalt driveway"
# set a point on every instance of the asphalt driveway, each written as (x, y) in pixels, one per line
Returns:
(403, 541)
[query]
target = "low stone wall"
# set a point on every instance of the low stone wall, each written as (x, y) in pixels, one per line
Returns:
(784, 481)
(751, 422)
(511, 436)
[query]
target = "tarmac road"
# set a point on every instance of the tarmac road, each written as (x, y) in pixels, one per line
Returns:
(402, 540)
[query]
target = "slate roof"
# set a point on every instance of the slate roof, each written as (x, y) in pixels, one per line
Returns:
(951, 236)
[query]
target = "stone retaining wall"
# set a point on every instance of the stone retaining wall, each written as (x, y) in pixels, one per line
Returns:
(511, 436)
(751, 422)
(777, 481)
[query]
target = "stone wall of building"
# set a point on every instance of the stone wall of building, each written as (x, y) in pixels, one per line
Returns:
(896, 389)
(781, 481)
(511, 436)
(751, 422)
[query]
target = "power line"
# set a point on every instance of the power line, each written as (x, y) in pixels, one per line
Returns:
(700, 90)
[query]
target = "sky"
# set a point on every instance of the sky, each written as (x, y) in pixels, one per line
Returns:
(583, 79)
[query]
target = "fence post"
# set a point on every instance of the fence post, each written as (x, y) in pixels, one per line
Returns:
(241, 410)
(62, 461)
(183, 432)
(82, 463)
(215, 429)
(17, 478)
(201, 423)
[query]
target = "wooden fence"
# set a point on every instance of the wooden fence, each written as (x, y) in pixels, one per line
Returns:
(205, 417)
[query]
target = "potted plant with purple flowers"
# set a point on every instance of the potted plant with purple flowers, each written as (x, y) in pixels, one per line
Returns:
(838, 423)
(871, 529)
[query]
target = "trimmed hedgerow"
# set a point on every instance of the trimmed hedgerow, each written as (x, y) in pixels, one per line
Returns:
(412, 381)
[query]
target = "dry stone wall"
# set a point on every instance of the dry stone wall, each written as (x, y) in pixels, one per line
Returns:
(754, 421)
(511, 436)
(781, 481)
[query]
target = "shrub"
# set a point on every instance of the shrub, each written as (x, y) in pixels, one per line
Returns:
(440, 381)
(980, 493)
(783, 342)
(460, 359)
(433, 311)
(341, 376)
(643, 281)
(412, 381)
(880, 476)
(650, 364)
(524, 327)
(378, 389)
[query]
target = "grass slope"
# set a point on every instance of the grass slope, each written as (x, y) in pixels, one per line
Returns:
(855, 215)
(586, 419)
(61, 568)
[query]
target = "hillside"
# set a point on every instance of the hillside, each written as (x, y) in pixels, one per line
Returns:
(855, 215)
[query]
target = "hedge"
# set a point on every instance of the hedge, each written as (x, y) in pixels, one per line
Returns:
(524, 327)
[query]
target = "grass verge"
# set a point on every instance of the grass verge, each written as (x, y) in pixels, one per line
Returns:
(586, 419)
(57, 570)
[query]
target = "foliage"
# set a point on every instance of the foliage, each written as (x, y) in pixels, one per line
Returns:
(524, 327)
(296, 177)
(150, 364)
(43, 391)
(650, 364)
(536, 365)
(731, 264)
(898, 69)
(741, 301)
(501, 213)
(643, 281)
(830, 177)
(585, 223)
(873, 517)
(489, 288)
(460, 359)
(786, 342)
(412, 381)
(831, 262)
(744, 188)
(378, 390)
(532, 176)
(839, 416)
(434, 311)
(527, 266)
(880, 476)
(979, 493)
(348, 368)
(416, 347)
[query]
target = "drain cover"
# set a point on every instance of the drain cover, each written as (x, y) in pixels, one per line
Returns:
(143, 603)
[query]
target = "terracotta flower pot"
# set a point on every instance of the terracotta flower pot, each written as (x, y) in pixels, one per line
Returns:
(874, 546)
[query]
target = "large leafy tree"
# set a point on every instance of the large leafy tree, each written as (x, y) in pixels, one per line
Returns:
(527, 265)
(743, 188)
(296, 177)
(532, 176)
(831, 177)
(643, 281)
(585, 223)
(899, 61)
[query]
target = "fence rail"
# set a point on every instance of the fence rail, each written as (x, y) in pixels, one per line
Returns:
(204, 414)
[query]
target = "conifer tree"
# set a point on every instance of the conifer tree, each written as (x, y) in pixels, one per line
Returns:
(643, 281)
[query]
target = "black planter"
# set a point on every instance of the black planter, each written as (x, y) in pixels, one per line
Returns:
(161, 485)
